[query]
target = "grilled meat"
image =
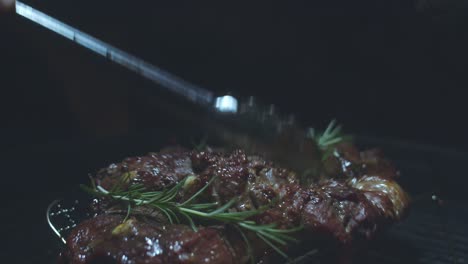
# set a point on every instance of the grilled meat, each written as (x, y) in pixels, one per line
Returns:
(356, 197)
(109, 239)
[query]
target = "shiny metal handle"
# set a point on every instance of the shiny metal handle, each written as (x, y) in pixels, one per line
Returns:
(165, 79)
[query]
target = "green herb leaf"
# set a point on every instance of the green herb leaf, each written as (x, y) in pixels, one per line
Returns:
(164, 201)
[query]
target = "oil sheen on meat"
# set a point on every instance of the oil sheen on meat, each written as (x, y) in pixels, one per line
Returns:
(356, 197)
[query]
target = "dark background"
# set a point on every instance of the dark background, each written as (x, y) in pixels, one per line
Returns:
(392, 69)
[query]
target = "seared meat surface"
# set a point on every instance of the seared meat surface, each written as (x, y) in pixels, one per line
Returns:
(356, 196)
(110, 239)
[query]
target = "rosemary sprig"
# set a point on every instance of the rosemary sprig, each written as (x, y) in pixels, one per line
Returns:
(165, 202)
(330, 136)
(327, 138)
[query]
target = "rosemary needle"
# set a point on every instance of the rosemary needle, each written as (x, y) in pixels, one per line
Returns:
(328, 138)
(164, 201)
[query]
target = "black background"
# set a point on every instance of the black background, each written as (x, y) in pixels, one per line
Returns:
(394, 69)
(390, 69)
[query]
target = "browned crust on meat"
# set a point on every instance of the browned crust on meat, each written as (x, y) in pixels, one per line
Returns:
(357, 196)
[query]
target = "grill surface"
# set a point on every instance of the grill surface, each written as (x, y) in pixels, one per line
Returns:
(432, 234)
